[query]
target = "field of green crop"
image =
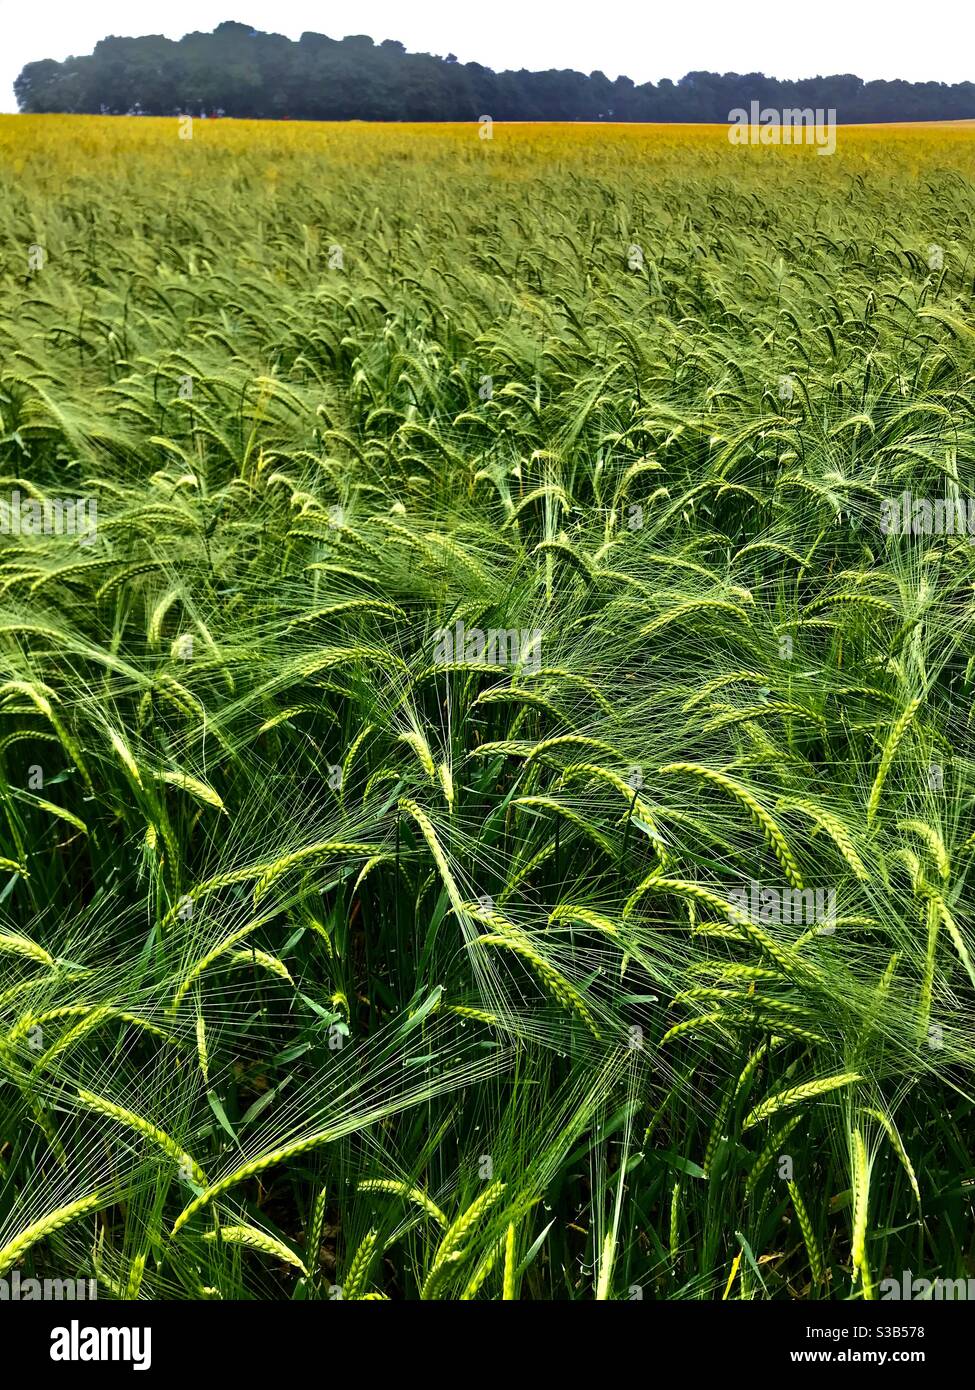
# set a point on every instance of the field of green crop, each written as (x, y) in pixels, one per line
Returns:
(487, 645)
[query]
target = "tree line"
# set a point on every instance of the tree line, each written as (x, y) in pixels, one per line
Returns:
(239, 71)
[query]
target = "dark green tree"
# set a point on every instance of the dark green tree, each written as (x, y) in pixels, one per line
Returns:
(243, 72)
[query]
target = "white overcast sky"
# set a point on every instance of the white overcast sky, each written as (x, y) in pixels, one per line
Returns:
(645, 39)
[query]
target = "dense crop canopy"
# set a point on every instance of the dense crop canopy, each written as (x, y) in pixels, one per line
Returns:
(486, 660)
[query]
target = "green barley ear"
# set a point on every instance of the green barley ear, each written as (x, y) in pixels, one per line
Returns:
(716, 1134)
(72, 1035)
(359, 1266)
(307, 857)
(429, 834)
(769, 826)
(693, 607)
(932, 916)
(447, 783)
(246, 1170)
(316, 1228)
(897, 1144)
(510, 1288)
(253, 1239)
(130, 1120)
(816, 1266)
(410, 1194)
(797, 1095)
(510, 938)
(894, 739)
(137, 1271)
(769, 1150)
(484, 1267)
(450, 1251)
(421, 749)
(934, 842)
(18, 1246)
(18, 945)
(201, 1048)
(673, 1239)
(835, 829)
(955, 935)
(861, 1197)
(574, 817)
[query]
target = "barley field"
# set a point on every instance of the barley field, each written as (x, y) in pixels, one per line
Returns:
(487, 649)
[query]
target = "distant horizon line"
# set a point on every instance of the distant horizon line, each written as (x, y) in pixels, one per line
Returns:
(432, 121)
